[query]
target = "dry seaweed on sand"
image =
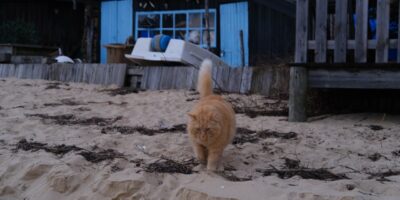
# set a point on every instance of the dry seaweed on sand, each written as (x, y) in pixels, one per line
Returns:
(120, 91)
(69, 119)
(55, 85)
(232, 177)
(383, 175)
(58, 150)
(305, 173)
(375, 127)
(375, 157)
(165, 165)
(253, 113)
(244, 135)
(125, 130)
(292, 164)
(96, 157)
(65, 102)
(396, 153)
(274, 134)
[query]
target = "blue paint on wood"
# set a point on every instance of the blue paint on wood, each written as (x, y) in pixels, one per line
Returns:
(234, 17)
(116, 23)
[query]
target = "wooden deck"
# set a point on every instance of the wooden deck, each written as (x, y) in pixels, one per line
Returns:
(341, 58)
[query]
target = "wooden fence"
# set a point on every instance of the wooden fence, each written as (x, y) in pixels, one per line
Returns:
(105, 74)
(269, 81)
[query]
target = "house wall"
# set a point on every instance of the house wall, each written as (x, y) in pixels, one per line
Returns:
(57, 23)
(271, 32)
(116, 23)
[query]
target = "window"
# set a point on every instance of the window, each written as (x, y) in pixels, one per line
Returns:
(187, 25)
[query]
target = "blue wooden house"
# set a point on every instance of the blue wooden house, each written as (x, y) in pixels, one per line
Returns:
(267, 26)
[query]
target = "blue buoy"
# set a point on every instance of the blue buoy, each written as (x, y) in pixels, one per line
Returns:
(160, 43)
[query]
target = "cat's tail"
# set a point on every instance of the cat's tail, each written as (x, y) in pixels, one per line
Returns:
(204, 83)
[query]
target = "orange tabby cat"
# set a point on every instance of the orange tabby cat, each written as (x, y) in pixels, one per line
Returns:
(212, 123)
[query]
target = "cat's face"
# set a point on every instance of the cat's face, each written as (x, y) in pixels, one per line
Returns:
(204, 126)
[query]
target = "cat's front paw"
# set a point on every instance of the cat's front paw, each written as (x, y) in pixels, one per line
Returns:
(199, 168)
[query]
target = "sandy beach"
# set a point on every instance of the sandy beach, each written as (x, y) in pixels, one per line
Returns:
(79, 141)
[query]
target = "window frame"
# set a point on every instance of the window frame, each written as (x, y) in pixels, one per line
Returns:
(187, 27)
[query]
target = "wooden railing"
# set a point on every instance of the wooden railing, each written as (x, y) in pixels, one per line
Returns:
(346, 30)
(337, 47)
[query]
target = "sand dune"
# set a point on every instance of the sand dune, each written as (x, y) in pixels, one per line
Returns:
(79, 141)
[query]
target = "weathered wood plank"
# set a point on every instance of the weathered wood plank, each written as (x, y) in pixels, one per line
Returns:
(361, 35)
(321, 30)
(181, 78)
(301, 31)
(354, 78)
(154, 78)
(235, 79)
(224, 74)
(195, 76)
(145, 77)
(298, 75)
(165, 78)
(351, 44)
(120, 80)
(340, 50)
(245, 87)
(382, 31)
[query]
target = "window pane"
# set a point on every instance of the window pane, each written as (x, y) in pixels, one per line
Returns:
(194, 20)
(212, 37)
(154, 32)
(169, 33)
(211, 17)
(143, 34)
(180, 35)
(167, 21)
(149, 21)
(180, 20)
(194, 36)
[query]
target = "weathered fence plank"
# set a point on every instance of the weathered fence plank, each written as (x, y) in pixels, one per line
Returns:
(354, 78)
(340, 51)
(361, 36)
(144, 84)
(235, 79)
(398, 38)
(321, 30)
(245, 87)
(382, 31)
(223, 77)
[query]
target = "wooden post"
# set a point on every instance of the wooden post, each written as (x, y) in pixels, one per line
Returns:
(89, 31)
(298, 75)
(242, 56)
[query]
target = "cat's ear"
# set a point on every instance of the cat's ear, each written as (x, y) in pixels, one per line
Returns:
(192, 116)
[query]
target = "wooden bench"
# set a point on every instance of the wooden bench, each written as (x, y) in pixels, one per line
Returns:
(325, 42)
